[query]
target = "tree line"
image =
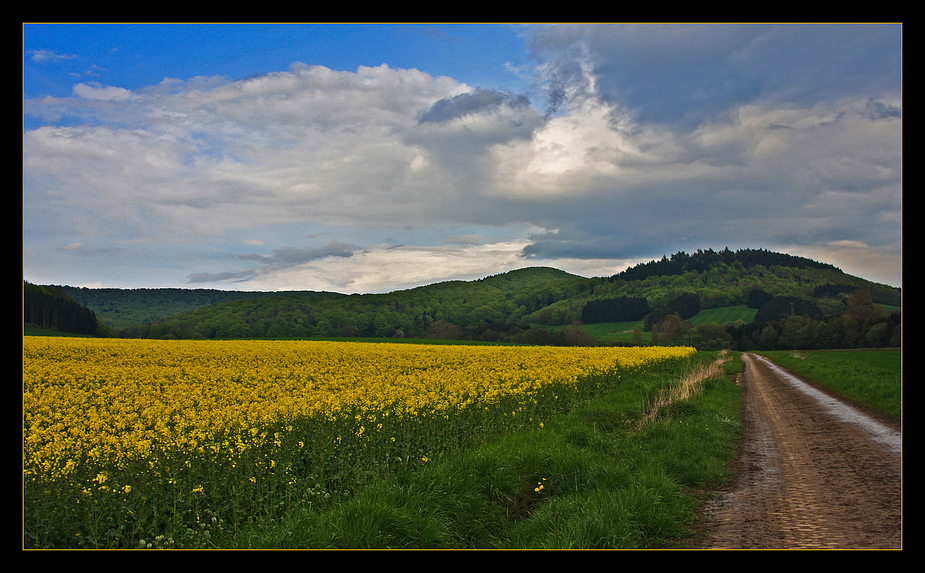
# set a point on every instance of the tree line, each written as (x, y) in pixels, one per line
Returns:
(52, 308)
(704, 260)
(784, 323)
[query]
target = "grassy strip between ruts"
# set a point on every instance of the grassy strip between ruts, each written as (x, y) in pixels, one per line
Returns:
(628, 470)
(871, 378)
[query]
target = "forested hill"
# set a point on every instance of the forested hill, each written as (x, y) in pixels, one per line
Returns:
(125, 308)
(703, 261)
(451, 309)
(523, 305)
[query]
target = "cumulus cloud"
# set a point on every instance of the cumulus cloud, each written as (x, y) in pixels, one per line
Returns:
(650, 139)
(310, 144)
(743, 183)
(96, 91)
(681, 137)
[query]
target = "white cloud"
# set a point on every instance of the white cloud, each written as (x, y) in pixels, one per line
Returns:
(383, 268)
(567, 155)
(312, 149)
(46, 56)
(313, 144)
(881, 265)
(96, 91)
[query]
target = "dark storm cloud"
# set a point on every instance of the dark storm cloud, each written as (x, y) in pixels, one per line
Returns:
(879, 110)
(684, 74)
(290, 256)
(575, 245)
(195, 278)
(281, 258)
(619, 230)
(478, 101)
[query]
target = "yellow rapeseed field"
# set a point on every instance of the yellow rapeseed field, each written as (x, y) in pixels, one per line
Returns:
(108, 399)
(98, 413)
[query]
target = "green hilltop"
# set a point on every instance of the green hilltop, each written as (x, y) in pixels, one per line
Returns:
(743, 299)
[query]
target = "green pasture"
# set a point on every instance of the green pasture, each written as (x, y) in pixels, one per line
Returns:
(634, 331)
(725, 314)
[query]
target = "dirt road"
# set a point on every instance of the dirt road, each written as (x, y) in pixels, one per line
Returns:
(813, 473)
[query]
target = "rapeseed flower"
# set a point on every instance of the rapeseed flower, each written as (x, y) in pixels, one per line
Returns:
(110, 401)
(189, 423)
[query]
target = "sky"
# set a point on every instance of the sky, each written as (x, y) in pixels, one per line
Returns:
(368, 158)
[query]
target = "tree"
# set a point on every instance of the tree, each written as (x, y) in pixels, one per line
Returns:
(860, 303)
(671, 328)
(538, 335)
(685, 305)
(793, 333)
(52, 307)
(619, 309)
(878, 335)
(781, 307)
(767, 339)
(710, 337)
(573, 335)
(442, 329)
(758, 298)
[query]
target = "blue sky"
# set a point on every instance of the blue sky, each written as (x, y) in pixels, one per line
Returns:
(373, 157)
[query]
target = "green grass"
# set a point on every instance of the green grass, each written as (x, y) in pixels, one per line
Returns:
(32, 330)
(624, 331)
(726, 314)
(618, 331)
(870, 378)
(585, 479)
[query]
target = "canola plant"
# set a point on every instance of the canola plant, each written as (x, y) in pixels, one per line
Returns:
(123, 439)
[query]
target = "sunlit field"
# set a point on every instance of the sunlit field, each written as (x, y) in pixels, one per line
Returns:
(127, 443)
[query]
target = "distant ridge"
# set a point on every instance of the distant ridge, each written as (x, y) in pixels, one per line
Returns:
(524, 305)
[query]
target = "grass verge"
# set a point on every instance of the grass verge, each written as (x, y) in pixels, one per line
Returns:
(625, 471)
